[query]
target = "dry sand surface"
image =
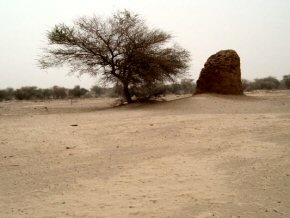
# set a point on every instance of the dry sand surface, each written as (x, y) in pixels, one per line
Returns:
(201, 156)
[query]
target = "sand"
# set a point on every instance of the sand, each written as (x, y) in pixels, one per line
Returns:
(201, 156)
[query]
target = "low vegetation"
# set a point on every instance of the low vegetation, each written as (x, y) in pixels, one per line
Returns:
(185, 86)
(267, 83)
(145, 92)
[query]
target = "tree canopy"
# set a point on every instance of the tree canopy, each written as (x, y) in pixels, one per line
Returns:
(286, 81)
(119, 49)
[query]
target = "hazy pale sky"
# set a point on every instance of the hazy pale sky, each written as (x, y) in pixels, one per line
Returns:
(259, 30)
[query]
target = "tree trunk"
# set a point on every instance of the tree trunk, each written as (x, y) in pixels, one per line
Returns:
(127, 93)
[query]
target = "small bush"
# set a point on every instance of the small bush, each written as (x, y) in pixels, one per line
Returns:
(267, 83)
(286, 81)
(6, 94)
(186, 86)
(147, 91)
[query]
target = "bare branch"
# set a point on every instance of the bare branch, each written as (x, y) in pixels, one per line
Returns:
(120, 48)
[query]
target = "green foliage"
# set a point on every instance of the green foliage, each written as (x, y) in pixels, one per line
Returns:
(286, 81)
(46, 93)
(98, 91)
(27, 93)
(140, 92)
(267, 83)
(121, 48)
(6, 94)
(59, 92)
(186, 86)
(246, 84)
(2, 95)
(147, 91)
(117, 90)
(77, 92)
(144, 92)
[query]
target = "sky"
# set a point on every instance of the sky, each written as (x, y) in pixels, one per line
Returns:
(259, 30)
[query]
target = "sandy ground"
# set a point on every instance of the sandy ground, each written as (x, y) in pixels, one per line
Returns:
(202, 156)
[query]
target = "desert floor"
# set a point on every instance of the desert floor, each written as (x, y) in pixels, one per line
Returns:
(201, 156)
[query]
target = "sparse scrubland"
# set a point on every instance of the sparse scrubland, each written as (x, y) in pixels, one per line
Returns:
(201, 156)
(85, 153)
(185, 86)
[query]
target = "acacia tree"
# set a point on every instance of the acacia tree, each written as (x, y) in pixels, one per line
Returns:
(118, 49)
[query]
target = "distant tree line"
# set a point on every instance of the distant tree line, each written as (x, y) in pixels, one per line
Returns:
(185, 86)
(34, 93)
(267, 83)
(145, 92)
